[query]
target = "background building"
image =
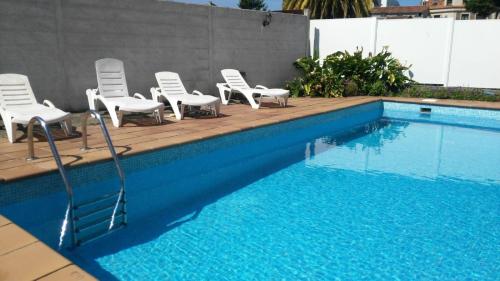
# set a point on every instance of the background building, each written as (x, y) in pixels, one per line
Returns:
(400, 12)
(449, 9)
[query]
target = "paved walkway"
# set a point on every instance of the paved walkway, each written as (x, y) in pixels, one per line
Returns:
(23, 257)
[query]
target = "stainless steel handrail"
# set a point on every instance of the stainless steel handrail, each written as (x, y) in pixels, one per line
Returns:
(60, 166)
(53, 148)
(111, 148)
(57, 158)
(105, 132)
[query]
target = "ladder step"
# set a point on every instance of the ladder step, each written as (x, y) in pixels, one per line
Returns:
(96, 235)
(119, 216)
(97, 200)
(107, 209)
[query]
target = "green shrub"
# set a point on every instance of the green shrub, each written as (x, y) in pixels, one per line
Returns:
(314, 80)
(351, 88)
(346, 74)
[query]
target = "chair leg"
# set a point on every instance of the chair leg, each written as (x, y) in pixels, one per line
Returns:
(160, 114)
(222, 93)
(178, 110)
(11, 129)
(92, 101)
(251, 100)
(217, 109)
(67, 127)
(285, 101)
(116, 117)
(183, 109)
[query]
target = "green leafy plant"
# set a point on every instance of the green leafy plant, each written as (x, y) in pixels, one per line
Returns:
(346, 74)
(483, 8)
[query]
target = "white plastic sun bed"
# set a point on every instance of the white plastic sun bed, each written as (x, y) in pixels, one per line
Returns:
(113, 92)
(18, 105)
(236, 83)
(172, 89)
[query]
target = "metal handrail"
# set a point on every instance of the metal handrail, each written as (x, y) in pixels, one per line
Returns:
(57, 158)
(105, 132)
(60, 166)
(111, 148)
(53, 148)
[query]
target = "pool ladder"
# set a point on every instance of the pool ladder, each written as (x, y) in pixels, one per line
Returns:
(96, 217)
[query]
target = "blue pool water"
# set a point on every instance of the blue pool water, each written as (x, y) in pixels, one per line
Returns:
(376, 192)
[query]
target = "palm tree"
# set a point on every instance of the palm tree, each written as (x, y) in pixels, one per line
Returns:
(259, 5)
(327, 9)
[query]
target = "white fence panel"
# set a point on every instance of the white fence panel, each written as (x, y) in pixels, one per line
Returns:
(475, 54)
(420, 42)
(441, 51)
(342, 34)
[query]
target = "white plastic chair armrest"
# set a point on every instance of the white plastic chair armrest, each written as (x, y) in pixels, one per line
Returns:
(139, 96)
(92, 92)
(224, 86)
(155, 93)
(196, 92)
(260, 87)
(48, 103)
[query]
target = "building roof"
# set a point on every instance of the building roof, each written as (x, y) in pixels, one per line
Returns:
(457, 7)
(400, 10)
(443, 5)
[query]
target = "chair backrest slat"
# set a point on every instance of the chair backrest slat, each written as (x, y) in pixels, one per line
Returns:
(15, 91)
(170, 83)
(234, 79)
(111, 78)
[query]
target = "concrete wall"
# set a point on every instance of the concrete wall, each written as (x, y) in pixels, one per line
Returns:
(55, 43)
(441, 51)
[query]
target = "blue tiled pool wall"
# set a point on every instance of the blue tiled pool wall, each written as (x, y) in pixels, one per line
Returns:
(84, 175)
(469, 117)
(185, 174)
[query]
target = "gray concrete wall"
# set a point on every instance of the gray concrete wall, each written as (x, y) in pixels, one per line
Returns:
(55, 43)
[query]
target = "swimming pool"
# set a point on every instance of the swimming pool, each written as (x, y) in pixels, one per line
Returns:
(378, 191)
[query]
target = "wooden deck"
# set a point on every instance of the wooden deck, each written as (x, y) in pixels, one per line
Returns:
(140, 133)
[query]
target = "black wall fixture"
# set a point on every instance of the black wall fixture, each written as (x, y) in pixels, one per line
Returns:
(267, 19)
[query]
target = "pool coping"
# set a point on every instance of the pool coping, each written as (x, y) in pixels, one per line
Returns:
(448, 103)
(24, 257)
(47, 166)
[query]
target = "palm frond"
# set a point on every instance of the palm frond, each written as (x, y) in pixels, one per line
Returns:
(323, 9)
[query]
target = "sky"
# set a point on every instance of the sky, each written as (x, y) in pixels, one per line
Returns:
(272, 4)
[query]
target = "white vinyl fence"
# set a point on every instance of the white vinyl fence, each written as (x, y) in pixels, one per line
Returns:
(462, 53)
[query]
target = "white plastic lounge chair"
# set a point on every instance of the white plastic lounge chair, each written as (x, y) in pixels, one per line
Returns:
(18, 105)
(236, 83)
(172, 89)
(113, 93)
